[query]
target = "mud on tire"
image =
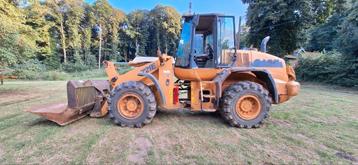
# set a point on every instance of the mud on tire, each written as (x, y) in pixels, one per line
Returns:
(239, 90)
(144, 94)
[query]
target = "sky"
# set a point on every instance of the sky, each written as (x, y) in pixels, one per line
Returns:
(227, 7)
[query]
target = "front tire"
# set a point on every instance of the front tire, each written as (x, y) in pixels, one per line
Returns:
(132, 104)
(245, 104)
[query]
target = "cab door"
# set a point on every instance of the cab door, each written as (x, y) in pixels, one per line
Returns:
(226, 43)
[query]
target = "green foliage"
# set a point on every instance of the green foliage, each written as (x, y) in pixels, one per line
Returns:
(150, 30)
(29, 70)
(285, 21)
(348, 35)
(16, 38)
(36, 70)
(75, 11)
(165, 29)
(75, 67)
(336, 31)
(331, 67)
(54, 75)
(327, 25)
(323, 9)
(35, 18)
(45, 39)
(140, 25)
(340, 33)
(57, 32)
(324, 36)
(88, 74)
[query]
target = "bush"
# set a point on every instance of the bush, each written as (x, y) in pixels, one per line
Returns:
(331, 67)
(55, 75)
(36, 70)
(75, 67)
(52, 62)
(95, 73)
(29, 70)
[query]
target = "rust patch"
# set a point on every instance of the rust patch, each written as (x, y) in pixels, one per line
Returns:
(141, 147)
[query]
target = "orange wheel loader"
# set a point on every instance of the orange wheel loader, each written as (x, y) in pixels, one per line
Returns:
(207, 74)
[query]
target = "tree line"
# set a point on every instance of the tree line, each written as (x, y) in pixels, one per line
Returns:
(326, 26)
(312, 24)
(71, 32)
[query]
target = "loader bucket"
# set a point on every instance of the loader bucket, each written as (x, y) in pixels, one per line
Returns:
(82, 96)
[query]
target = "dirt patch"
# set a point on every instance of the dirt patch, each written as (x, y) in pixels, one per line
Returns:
(2, 152)
(347, 156)
(18, 101)
(15, 97)
(141, 147)
(9, 93)
(279, 122)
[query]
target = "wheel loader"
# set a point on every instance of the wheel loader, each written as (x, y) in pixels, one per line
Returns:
(208, 73)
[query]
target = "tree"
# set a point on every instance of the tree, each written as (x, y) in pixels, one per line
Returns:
(103, 12)
(61, 32)
(17, 39)
(323, 9)
(339, 33)
(165, 29)
(348, 35)
(139, 22)
(285, 21)
(35, 14)
(116, 19)
(347, 43)
(74, 15)
(56, 16)
(87, 25)
(325, 36)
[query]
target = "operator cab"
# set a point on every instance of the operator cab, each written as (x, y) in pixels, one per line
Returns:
(207, 41)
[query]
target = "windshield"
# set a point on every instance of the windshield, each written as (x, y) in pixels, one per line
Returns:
(183, 52)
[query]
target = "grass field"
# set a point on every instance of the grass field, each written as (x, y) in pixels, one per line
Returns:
(320, 126)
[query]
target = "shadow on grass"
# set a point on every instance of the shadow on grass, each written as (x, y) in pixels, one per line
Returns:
(42, 122)
(184, 116)
(188, 116)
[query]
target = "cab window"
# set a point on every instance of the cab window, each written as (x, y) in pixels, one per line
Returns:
(226, 40)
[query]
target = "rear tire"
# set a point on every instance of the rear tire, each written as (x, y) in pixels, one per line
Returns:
(132, 104)
(245, 104)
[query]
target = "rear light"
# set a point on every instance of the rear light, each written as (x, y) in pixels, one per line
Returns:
(176, 95)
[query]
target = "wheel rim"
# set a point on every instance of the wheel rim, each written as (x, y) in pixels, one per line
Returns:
(248, 107)
(130, 106)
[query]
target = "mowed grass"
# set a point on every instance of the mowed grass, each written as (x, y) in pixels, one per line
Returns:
(320, 126)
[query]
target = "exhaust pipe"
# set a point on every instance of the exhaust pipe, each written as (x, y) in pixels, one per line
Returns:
(263, 47)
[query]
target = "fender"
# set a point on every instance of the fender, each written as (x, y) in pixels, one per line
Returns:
(271, 85)
(263, 75)
(156, 83)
